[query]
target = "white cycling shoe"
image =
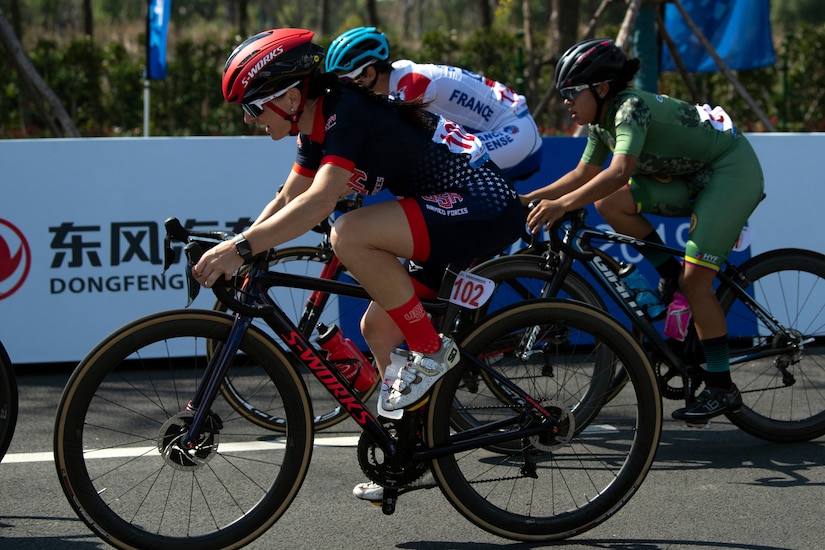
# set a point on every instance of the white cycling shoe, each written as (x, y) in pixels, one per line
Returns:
(398, 358)
(373, 492)
(418, 374)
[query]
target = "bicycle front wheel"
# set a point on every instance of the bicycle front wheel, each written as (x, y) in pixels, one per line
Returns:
(8, 401)
(548, 487)
(295, 303)
(783, 392)
(117, 443)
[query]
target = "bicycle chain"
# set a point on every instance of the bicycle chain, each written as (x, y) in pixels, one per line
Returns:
(381, 472)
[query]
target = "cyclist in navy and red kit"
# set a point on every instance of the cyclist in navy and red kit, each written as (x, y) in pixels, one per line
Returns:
(456, 204)
(491, 111)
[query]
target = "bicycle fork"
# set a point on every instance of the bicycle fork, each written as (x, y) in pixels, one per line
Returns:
(211, 381)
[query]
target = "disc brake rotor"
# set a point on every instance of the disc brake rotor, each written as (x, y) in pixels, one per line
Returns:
(188, 457)
(567, 429)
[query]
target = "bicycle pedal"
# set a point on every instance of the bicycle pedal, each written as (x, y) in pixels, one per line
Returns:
(698, 426)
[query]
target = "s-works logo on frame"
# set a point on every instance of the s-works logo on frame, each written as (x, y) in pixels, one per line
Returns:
(15, 258)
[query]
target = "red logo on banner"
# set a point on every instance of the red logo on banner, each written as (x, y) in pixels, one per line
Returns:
(15, 259)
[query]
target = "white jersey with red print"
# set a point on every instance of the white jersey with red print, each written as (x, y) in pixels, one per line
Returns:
(497, 115)
(477, 103)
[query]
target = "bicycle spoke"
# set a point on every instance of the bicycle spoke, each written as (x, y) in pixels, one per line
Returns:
(120, 452)
(782, 374)
(547, 486)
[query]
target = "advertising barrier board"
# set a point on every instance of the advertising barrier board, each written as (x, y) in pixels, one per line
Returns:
(81, 222)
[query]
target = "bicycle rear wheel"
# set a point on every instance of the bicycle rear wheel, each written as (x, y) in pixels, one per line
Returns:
(120, 419)
(783, 395)
(519, 278)
(333, 310)
(548, 487)
(8, 401)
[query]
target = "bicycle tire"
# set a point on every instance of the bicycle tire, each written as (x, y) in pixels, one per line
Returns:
(518, 278)
(8, 401)
(124, 402)
(784, 282)
(572, 485)
(307, 261)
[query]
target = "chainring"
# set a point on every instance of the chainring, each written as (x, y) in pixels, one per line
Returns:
(373, 463)
(671, 383)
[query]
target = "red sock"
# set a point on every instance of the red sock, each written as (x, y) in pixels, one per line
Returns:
(416, 327)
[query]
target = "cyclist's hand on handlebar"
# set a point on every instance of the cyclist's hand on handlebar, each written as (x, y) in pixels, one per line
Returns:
(220, 260)
(543, 213)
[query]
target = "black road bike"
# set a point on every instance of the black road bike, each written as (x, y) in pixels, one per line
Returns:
(306, 308)
(151, 454)
(775, 314)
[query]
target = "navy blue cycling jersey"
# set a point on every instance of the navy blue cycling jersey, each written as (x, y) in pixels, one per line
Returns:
(384, 151)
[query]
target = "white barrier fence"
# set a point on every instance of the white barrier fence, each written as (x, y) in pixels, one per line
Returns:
(81, 222)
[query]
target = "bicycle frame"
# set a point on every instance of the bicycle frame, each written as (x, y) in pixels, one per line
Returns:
(577, 243)
(256, 302)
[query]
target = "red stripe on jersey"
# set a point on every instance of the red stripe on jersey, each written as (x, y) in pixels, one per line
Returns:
(418, 228)
(341, 162)
(301, 171)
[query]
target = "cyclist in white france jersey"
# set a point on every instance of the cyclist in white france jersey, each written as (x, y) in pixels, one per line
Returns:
(494, 113)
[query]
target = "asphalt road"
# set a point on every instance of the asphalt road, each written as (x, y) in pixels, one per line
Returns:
(717, 488)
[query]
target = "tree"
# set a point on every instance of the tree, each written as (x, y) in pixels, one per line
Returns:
(485, 14)
(323, 17)
(43, 97)
(372, 14)
(88, 18)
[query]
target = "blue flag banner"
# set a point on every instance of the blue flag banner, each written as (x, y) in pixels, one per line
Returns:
(157, 25)
(739, 30)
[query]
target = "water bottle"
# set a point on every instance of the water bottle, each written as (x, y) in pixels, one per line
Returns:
(678, 317)
(644, 295)
(346, 357)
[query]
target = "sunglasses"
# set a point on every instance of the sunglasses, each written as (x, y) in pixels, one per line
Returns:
(571, 92)
(255, 108)
(357, 73)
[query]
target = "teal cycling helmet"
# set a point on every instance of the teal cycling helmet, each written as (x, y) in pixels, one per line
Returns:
(356, 49)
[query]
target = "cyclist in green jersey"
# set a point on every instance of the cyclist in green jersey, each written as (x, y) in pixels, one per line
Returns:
(669, 158)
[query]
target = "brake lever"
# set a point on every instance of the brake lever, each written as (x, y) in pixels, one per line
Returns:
(193, 252)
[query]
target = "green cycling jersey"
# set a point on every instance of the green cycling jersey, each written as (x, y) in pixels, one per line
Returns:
(690, 161)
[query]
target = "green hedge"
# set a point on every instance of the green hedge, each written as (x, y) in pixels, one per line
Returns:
(101, 86)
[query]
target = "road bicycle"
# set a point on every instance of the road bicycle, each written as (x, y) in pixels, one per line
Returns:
(8, 401)
(775, 315)
(149, 452)
(307, 308)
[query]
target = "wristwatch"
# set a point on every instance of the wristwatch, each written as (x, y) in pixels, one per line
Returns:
(242, 248)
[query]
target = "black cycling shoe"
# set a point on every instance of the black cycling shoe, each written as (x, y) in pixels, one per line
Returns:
(667, 287)
(710, 403)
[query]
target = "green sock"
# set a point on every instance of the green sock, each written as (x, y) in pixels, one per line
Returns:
(717, 357)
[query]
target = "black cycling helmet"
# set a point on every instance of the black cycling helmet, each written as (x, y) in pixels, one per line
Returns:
(355, 49)
(590, 62)
(269, 61)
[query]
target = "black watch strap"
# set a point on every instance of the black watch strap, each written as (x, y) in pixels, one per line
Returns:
(243, 248)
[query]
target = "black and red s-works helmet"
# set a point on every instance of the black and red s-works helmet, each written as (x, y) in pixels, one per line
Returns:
(268, 62)
(590, 62)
